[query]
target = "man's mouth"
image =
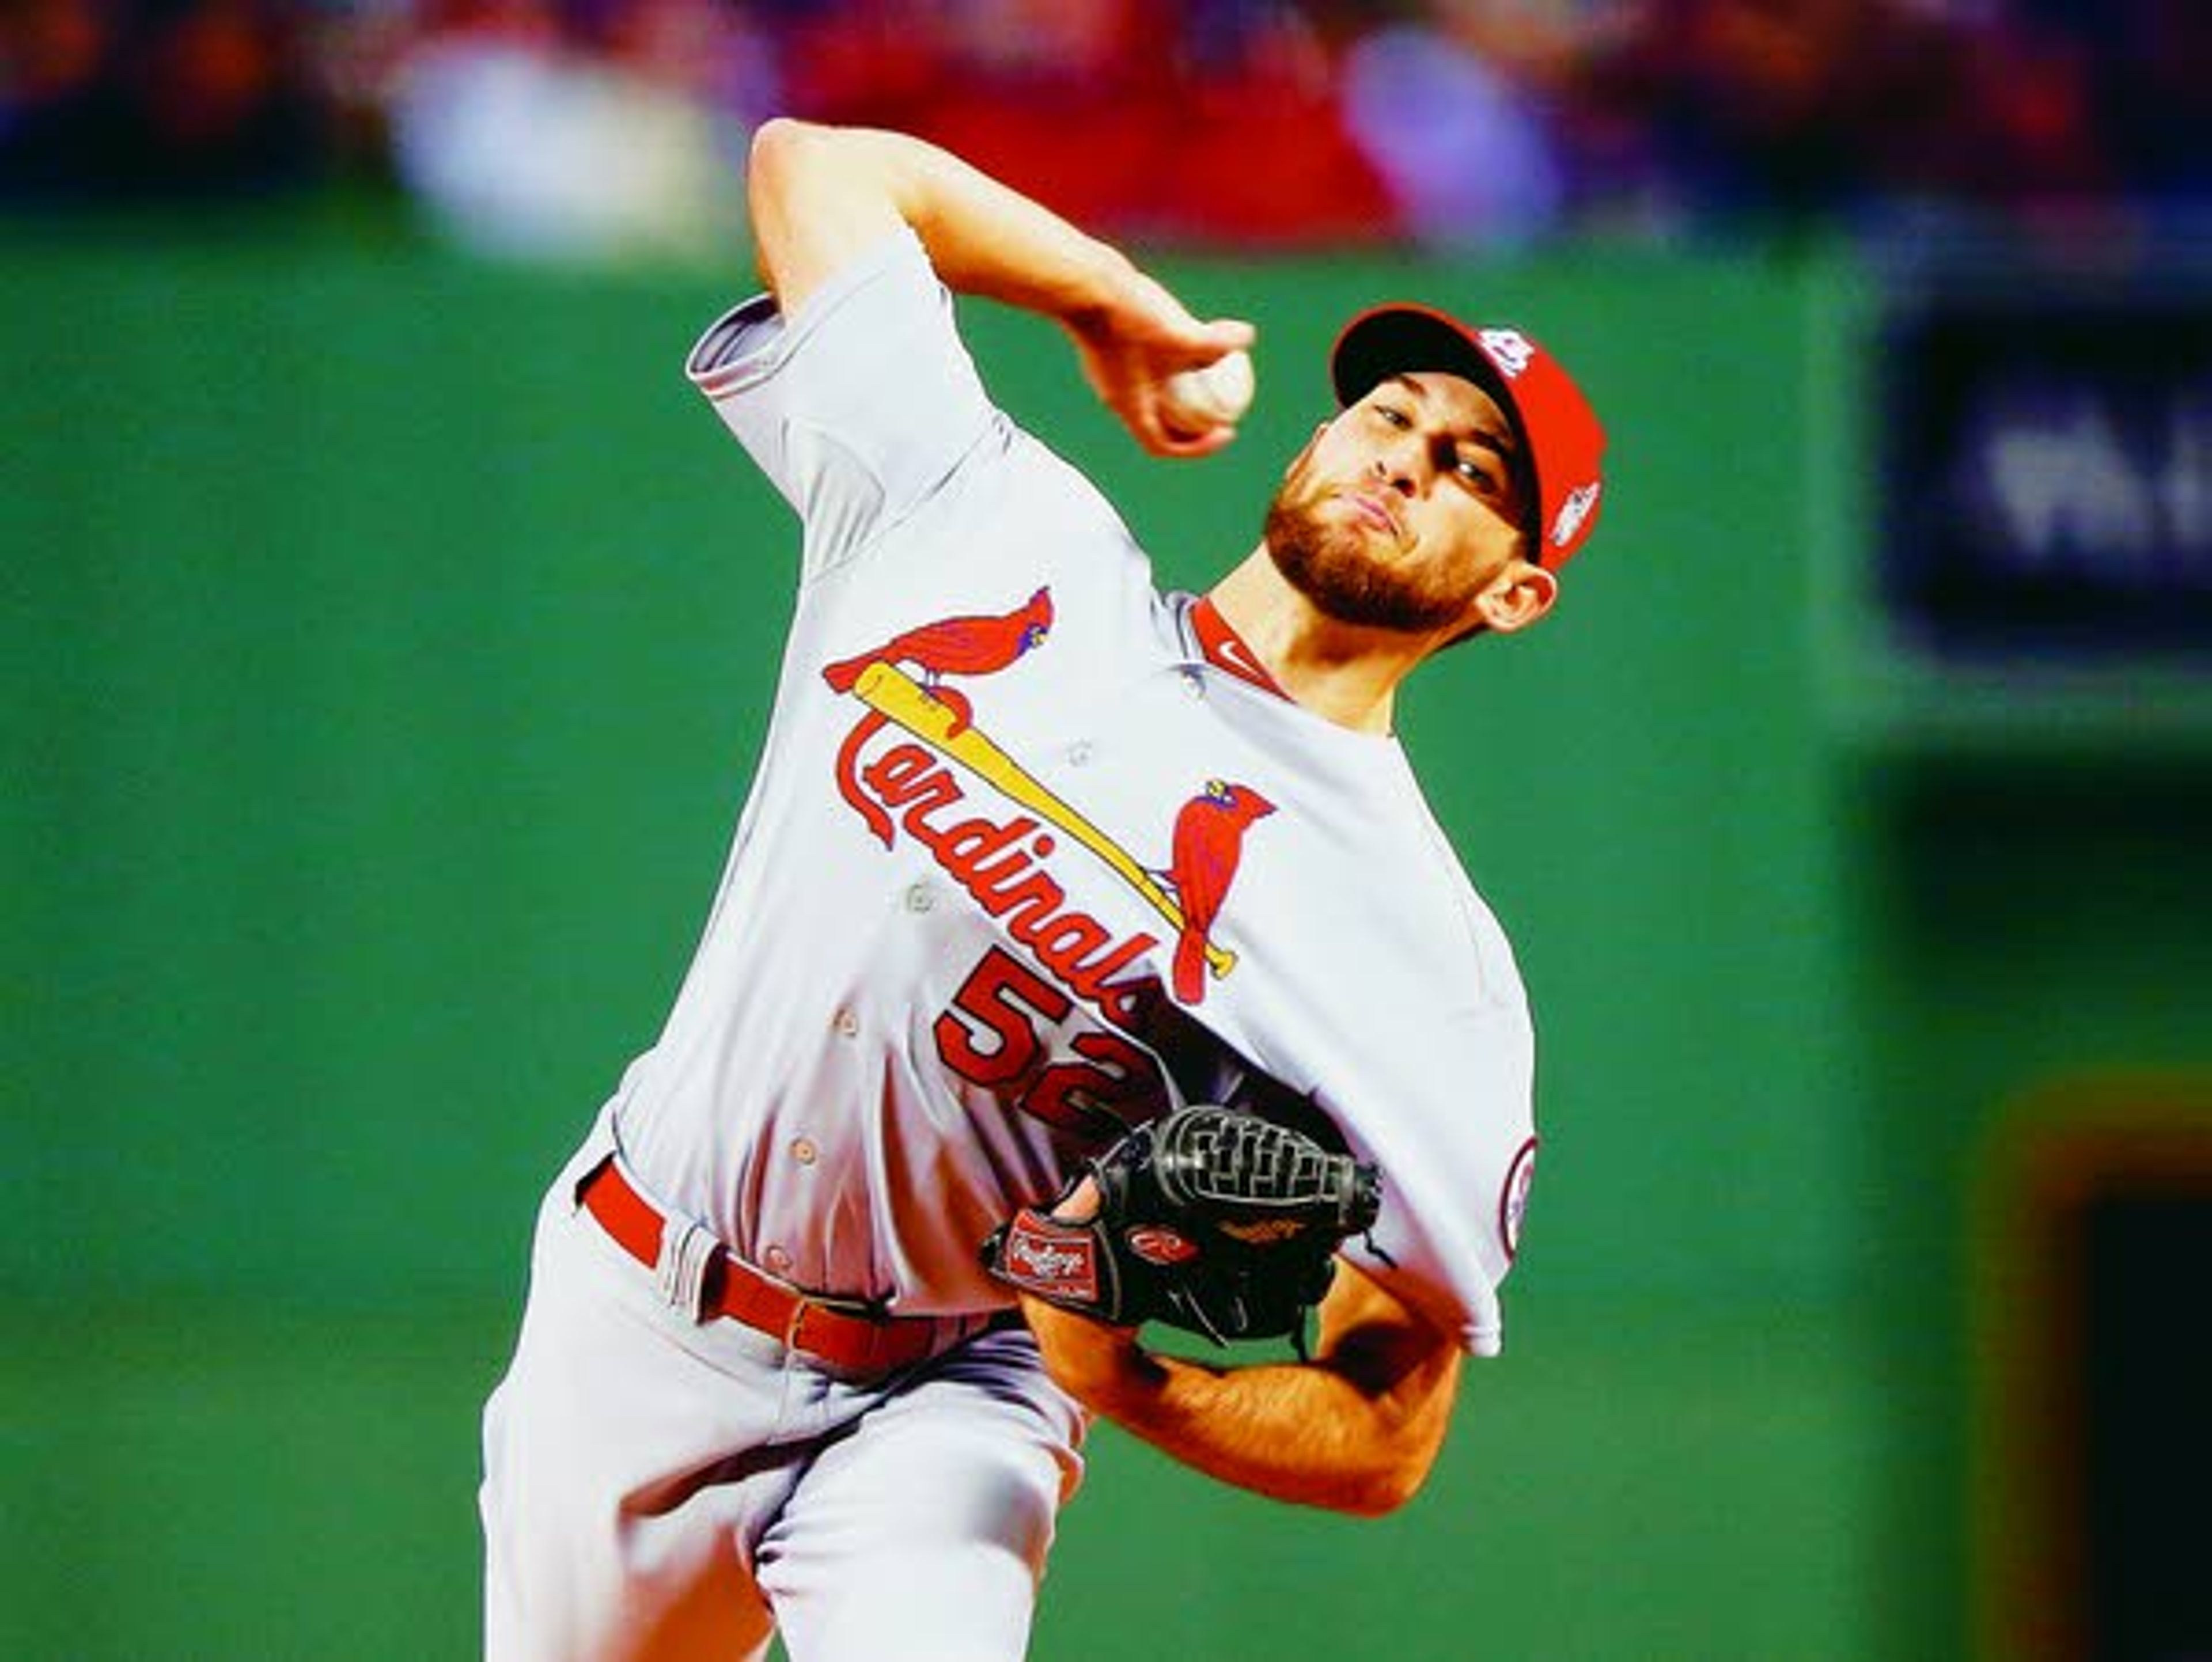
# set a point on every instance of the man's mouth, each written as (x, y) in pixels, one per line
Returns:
(1376, 512)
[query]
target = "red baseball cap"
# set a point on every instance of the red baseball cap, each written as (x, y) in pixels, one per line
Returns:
(1561, 441)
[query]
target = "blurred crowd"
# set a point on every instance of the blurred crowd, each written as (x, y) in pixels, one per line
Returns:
(593, 126)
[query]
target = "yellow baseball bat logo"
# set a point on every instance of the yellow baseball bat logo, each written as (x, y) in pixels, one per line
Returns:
(896, 695)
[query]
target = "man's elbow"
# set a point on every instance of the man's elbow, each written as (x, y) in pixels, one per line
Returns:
(1386, 1486)
(782, 147)
(1408, 1410)
(818, 195)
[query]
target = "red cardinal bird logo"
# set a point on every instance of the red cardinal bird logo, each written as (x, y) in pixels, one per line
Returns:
(954, 646)
(1208, 841)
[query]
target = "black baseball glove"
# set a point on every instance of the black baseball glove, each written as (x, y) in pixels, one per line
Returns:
(1211, 1219)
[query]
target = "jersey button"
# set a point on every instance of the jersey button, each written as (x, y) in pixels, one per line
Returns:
(920, 898)
(803, 1150)
(846, 1022)
(777, 1260)
(1078, 752)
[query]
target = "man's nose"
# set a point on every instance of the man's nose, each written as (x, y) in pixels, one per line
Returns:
(1398, 468)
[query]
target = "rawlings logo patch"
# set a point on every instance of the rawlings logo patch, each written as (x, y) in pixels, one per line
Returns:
(1050, 1260)
(1156, 1243)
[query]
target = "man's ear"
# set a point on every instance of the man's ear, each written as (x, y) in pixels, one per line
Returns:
(1522, 594)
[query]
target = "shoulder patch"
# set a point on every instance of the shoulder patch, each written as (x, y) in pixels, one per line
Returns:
(1513, 1199)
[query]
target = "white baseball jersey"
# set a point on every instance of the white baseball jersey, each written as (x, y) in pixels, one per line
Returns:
(1032, 854)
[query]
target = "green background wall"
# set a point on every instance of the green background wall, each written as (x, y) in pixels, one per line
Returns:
(387, 640)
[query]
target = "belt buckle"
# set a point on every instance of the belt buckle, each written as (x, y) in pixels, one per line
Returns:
(864, 1366)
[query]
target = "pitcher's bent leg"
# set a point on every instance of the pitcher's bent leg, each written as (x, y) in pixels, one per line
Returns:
(921, 1532)
(615, 1493)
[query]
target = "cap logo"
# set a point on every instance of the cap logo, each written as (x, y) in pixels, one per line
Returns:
(1509, 348)
(1572, 511)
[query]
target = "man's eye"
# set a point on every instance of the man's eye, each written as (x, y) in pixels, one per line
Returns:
(1477, 475)
(1395, 417)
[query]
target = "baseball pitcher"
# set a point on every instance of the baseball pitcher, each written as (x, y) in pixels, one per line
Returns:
(1086, 957)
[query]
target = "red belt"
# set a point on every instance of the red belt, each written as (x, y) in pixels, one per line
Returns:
(850, 1341)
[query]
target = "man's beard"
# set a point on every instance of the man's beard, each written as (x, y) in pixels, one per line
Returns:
(1325, 561)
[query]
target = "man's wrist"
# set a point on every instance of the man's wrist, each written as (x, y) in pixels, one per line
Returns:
(1098, 289)
(1102, 1365)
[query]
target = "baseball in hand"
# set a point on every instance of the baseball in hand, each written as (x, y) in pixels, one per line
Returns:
(1195, 401)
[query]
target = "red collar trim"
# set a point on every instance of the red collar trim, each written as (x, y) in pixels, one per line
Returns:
(1225, 649)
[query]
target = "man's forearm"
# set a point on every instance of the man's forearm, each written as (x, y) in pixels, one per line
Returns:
(1355, 1429)
(821, 196)
(818, 192)
(1299, 1434)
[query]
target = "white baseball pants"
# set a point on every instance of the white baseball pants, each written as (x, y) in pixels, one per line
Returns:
(659, 1487)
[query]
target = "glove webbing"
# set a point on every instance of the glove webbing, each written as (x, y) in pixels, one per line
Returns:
(1245, 1160)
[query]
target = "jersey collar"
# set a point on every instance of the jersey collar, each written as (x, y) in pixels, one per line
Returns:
(1226, 650)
